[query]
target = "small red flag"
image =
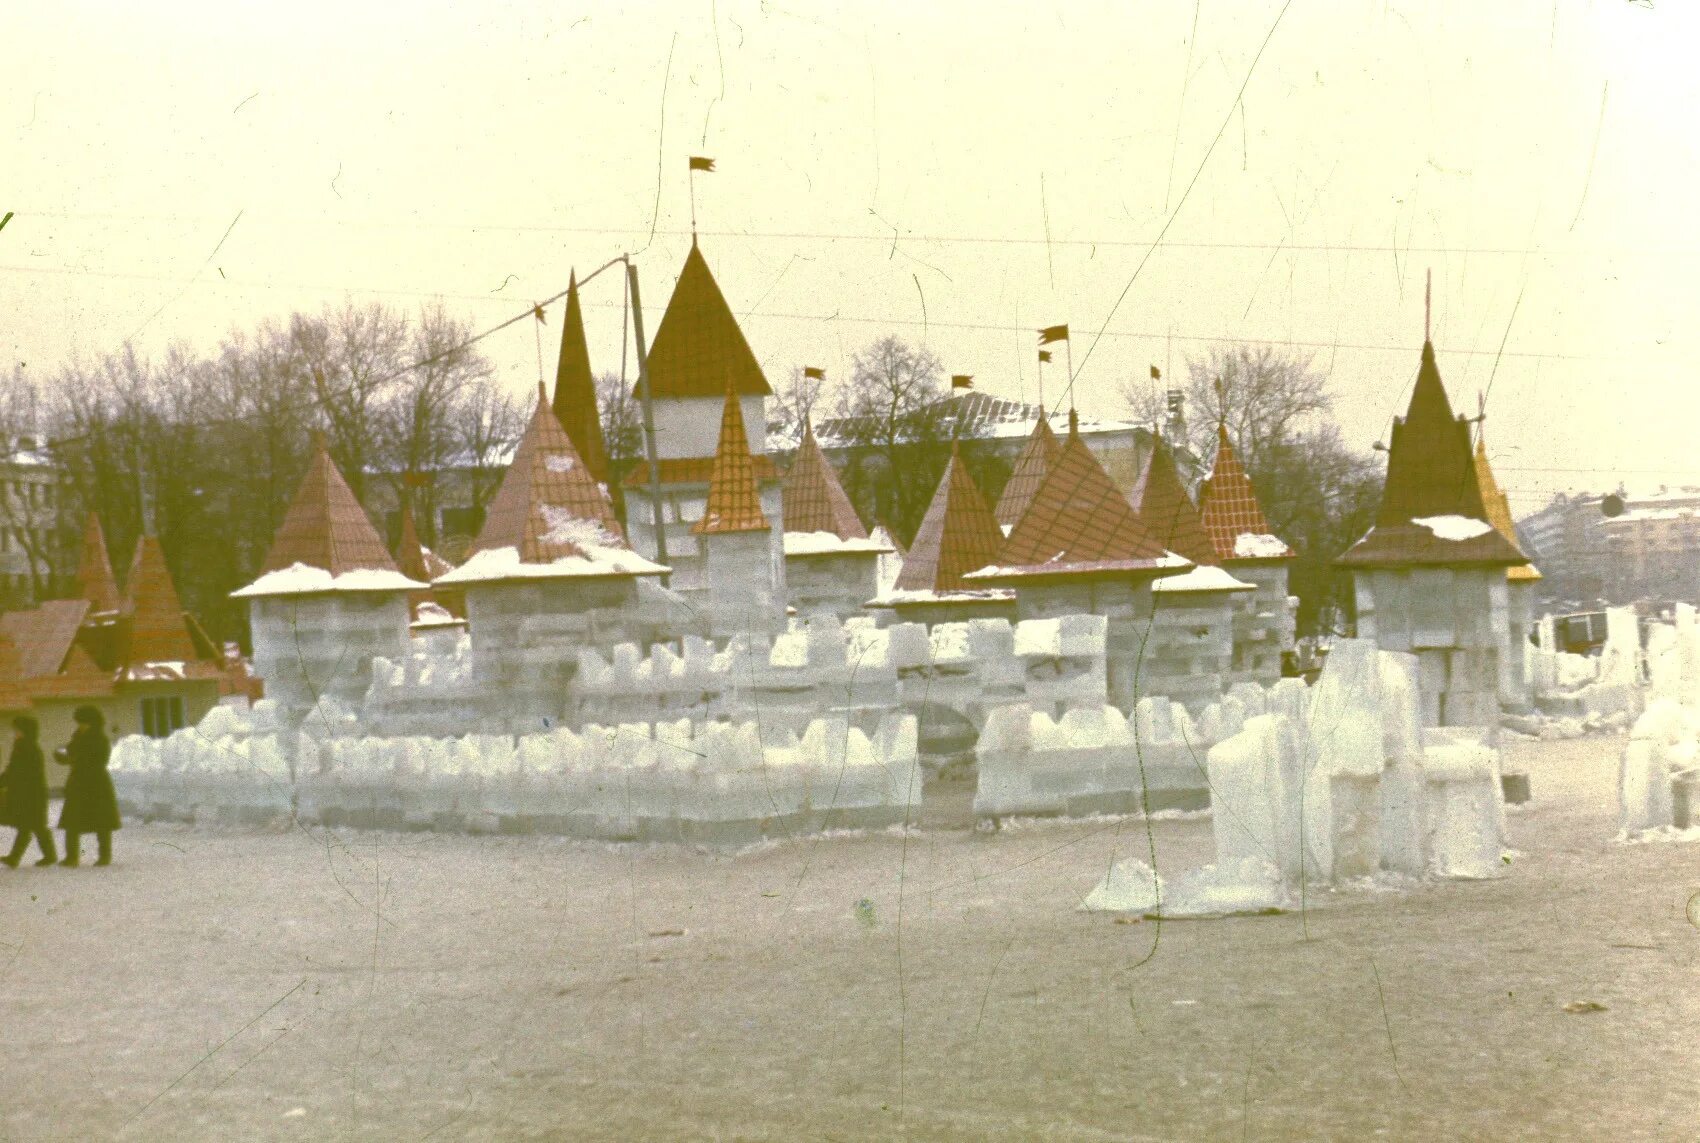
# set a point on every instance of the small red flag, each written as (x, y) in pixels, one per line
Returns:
(814, 371)
(698, 163)
(1156, 373)
(537, 312)
(1053, 333)
(1044, 355)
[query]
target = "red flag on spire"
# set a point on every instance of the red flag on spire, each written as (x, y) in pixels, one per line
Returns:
(698, 163)
(1053, 333)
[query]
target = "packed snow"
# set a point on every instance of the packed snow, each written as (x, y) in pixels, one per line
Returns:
(1454, 528)
(1205, 577)
(1259, 546)
(301, 579)
(829, 543)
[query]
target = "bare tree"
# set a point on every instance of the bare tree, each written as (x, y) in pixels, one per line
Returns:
(795, 400)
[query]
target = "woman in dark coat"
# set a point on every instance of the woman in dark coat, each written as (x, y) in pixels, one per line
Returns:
(91, 804)
(25, 783)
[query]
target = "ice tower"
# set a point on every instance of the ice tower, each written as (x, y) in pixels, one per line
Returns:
(831, 566)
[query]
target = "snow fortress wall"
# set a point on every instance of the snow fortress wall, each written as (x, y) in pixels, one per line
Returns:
(1263, 621)
(1095, 760)
(720, 783)
(855, 671)
(1659, 778)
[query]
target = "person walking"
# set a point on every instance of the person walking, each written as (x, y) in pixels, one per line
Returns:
(91, 804)
(25, 783)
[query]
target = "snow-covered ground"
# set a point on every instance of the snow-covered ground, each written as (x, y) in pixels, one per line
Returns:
(312, 985)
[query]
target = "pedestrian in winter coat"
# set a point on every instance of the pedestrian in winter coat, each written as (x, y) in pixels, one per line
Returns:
(91, 804)
(25, 783)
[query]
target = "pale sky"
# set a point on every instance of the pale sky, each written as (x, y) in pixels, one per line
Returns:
(1025, 156)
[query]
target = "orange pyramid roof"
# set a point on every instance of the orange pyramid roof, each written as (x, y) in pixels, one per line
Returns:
(1167, 511)
(157, 631)
(575, 389)
(815, 501)
(1227, 503)
(14, 693)
(326, 527)
(1079, 524)
(1037, 457)
(95, 581)
(699, 346)
(958, 535)
(1499, 511)
(1430, 473)
(546, 482)
(734, 501)
(415, 560)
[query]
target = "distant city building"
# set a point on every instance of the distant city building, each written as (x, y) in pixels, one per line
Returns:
(1650, 550)
(36, 545)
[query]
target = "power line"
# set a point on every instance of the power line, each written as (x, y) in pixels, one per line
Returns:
(901, 236)
(991, 327)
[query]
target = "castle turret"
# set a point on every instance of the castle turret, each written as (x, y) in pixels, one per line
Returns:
(1240, 535)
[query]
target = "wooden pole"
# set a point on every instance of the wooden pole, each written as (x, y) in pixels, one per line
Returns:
(657, 515)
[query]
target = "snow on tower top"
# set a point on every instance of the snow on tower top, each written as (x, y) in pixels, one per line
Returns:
(1230, 513)
(699, 346)
(814, 499)
(1078, 524)
(575, 389)
(1431, 510)
(95, 581)
(550, 518)
(1037, 456)
(734, 500)
(957, 535)
(415, 560)
(1167, 511)
(1499, 511)
(326, 543)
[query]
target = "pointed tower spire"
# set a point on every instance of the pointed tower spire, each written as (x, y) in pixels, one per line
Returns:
(1431, 473)
(325, 527)
(95, 581)
(698, 345)
(415, 560)
(545, 490)
(1031, 467)
(1499, 511)
(958, 535)
(575, 389)
(814, 500)
(1167, 511)
(158, 630)
(734, 500)
(1229, 510)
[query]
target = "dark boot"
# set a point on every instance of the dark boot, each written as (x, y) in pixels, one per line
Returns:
(44, 842)
(104, 837)
(73, 844)
(18, 847)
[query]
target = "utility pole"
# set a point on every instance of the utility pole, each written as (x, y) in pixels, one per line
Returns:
(657, 515)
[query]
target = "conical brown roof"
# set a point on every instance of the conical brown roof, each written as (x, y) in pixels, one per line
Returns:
(95, 581)
(326, 527)
(958, 535)
(1031, 467)
(158, 631)
(575, 389)
(1499, 511)
(1079, 524)
(1227, 504)
(734, 500)
(699, 345)
(814, 499)
(1167, 511)
(412, 557)
(546, 483)
(1430, 473)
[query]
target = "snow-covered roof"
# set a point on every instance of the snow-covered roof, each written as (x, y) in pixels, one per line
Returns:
(830, 544)
(497, 564)
(1259, 546)
(300, 579)
(978, 595)
(1204, 577)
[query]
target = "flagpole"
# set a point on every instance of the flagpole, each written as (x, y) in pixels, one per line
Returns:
(1043, 411)
(691, 178)
(1070, 389)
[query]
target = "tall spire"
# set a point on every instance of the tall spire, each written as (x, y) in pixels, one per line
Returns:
(698, 344)
(1167, 511)
(575, 389)
(734, 500)
(814, 500)
(1499, 510)
(958, 535)
(95, 581)
(1031, 467)
(1229, 511)
(158, 632)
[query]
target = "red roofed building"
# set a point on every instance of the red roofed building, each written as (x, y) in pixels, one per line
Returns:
(958, 535)
(1080, 548)
(741, 586)
(697, 355)
(1429, 577)
(1244, 545)
(1032, 465)
(831, 564)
